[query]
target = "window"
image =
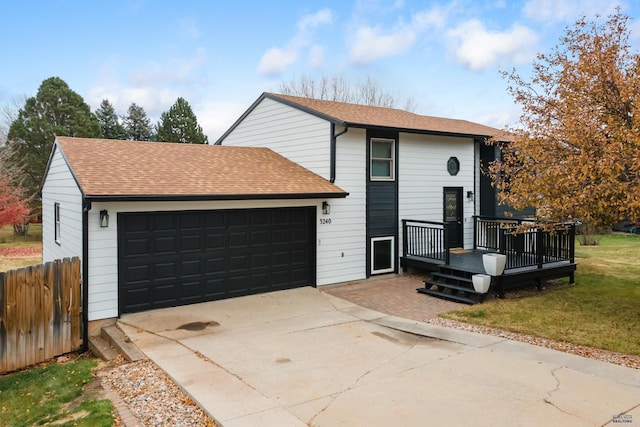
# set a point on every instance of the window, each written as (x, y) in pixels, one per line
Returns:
(382, 255)
(382, 155)
(56, 220)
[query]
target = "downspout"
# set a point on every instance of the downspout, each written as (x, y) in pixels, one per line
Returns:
(332, 151)
(86, 207)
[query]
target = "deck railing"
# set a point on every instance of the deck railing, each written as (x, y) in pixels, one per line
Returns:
(525, 248)
(425, 239)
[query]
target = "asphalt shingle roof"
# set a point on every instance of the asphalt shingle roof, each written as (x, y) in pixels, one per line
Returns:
(364, 115)
(106, 167)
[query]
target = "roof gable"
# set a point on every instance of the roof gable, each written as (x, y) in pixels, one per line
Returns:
(146, 170)
(371, 116)
(356, 115)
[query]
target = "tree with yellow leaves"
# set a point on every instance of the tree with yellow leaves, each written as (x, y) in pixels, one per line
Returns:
(576, 152)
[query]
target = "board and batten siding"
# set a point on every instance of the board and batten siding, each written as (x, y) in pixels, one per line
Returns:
(423, 175)
(60, 187)
(294, 134)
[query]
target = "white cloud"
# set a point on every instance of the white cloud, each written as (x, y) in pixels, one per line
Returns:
(309, 23)
(154, 87)
(316, 57)
(216, 117)
(277, 59)
(373, 43)
(567, 10)
(188, 29)
(370, 45)
(478, 48)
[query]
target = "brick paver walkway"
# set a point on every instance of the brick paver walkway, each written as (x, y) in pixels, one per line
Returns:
(393, 294)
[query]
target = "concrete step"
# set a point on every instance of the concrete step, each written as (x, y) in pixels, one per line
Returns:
(119, 341)
(101, 348)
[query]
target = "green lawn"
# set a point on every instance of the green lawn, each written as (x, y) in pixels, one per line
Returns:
(31, 245)
(601, 310)
(53, 394)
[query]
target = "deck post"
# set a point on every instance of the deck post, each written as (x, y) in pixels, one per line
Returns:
(475, 232)
(540, 249)
(445, 236)
(405, 240)
(502, 240)
(572, 245)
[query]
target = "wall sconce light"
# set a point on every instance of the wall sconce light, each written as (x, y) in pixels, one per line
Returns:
(470, 195)
(326, 208)
(104, 218)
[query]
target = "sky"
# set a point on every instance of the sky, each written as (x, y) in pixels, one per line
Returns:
(446, 56)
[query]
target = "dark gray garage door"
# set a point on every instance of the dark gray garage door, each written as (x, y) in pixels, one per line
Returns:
(167, 259)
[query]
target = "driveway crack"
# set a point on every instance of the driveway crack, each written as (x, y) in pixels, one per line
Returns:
(353, 385)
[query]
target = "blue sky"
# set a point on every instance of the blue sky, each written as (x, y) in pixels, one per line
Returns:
(221, 55)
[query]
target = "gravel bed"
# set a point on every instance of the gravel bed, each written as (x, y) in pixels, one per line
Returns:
(580, 350)
(152, 397)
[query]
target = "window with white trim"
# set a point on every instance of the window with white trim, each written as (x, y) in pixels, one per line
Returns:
(382, 159)
(382, 255)
(56, 220)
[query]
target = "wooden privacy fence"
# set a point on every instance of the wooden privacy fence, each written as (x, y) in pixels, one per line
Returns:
(40, 313)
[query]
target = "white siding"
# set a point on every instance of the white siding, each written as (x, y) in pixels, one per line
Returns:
(60, 187)
(342, 248)
(423, 175)
(103, 243)
(305, 139)
(296, 135)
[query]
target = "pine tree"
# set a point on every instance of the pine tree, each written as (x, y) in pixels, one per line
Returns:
(179, 124)
(55, 110)
(109, 121)
(137, 125)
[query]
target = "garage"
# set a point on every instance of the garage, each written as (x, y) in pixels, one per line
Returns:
(169, 259)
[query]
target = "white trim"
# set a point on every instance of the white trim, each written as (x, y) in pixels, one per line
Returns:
(392, 160)
(392, 255)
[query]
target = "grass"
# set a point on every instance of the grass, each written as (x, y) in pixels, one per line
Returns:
(601, 310)
(8, 239)
(53, 394)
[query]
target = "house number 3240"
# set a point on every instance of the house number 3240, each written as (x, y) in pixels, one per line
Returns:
(325, 221)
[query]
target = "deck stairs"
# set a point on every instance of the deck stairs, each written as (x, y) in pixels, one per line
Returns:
(454, 285)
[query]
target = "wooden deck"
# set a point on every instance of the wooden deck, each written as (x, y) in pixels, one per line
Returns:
(532, 258)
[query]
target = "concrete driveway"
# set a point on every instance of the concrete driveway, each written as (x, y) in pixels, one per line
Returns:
(303, 357)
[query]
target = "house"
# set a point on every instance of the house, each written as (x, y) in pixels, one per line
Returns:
(297, 192)
(394, 164)
(417, 195)
(162, 224)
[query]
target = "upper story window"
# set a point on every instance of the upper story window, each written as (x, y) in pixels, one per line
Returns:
(56, 220)
(382, 159)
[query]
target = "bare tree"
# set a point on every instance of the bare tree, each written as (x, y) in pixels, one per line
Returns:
(340, 89)
(8, 114)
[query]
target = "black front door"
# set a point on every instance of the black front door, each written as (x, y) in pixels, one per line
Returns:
(453, 216)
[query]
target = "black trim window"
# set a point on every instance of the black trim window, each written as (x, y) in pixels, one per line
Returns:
(382, 159)
(56, 220)
(382, 255)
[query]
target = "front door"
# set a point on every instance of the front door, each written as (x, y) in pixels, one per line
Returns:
(453, 216)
